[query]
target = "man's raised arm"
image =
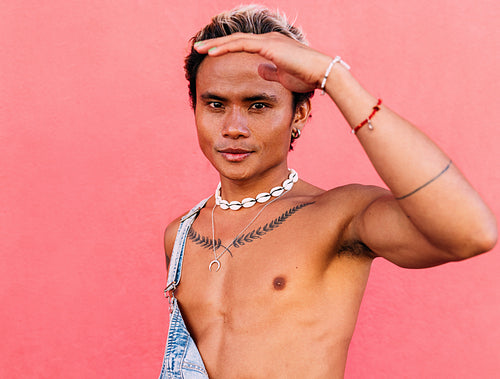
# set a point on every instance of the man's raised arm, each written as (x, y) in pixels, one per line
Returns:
(433, 215)
(443, 218)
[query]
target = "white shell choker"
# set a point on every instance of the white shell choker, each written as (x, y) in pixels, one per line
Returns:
(260, 198)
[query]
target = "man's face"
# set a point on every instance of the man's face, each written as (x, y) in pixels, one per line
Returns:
(244, 122)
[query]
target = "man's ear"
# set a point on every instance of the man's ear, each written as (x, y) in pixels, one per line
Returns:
(302, 114)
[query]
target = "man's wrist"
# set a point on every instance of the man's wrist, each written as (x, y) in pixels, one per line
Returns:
(335, 61)
(335, 79)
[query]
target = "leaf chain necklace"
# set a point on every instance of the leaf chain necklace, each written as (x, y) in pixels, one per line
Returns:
(293, 178)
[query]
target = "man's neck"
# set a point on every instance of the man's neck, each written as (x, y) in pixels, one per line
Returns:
(237, 190)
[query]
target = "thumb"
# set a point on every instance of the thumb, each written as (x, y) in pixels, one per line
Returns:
(268, 71)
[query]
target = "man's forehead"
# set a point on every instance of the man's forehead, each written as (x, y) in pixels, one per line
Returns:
(232, 67)
(235, 73)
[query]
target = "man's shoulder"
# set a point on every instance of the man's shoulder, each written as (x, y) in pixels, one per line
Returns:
(351, 197)
(169, 236)
(334, 210)
(172, 228)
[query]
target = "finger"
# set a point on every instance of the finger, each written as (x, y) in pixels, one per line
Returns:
(268, 71)
(203, 46)
(262, 44)
(246, 45)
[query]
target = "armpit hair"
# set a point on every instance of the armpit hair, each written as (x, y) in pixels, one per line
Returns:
(355, 248)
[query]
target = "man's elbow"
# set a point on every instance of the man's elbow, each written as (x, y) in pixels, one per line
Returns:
(479, 242)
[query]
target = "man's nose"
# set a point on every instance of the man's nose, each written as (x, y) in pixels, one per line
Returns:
(235, 125)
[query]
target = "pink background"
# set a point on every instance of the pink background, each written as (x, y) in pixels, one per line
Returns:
(98, 153)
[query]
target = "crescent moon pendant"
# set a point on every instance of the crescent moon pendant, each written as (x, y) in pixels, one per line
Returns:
(215, 261)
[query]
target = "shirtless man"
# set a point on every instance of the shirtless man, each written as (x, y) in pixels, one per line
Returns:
(272, 289)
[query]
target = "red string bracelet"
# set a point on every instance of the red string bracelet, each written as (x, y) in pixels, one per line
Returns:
(376, 108)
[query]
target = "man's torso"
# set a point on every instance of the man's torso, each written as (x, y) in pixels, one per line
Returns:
(286, 299)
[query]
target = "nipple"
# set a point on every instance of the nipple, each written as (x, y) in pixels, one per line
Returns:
(279, 283)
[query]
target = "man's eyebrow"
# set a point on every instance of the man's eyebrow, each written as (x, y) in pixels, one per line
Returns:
(261, 97)
(211, 96)
(257, 97)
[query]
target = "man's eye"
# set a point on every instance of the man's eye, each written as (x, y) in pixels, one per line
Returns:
(215, 104)
(258, 106)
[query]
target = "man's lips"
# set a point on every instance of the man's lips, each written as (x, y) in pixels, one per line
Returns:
(235, 154)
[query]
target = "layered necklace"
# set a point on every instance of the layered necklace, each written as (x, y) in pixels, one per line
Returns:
(274, 194)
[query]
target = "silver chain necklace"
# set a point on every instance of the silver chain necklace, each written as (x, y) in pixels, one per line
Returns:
(263, 197)
(216, 259)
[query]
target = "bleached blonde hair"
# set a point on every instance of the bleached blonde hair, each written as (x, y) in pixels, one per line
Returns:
(251, 18)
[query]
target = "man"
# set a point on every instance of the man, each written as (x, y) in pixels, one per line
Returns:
(274, 268)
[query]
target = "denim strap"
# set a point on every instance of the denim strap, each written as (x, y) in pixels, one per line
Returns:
(175, 267)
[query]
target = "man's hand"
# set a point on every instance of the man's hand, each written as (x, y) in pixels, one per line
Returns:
(296, 66)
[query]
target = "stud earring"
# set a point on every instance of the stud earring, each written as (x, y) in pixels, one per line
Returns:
(295, 133)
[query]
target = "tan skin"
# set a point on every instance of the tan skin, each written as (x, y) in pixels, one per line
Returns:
(285, 305)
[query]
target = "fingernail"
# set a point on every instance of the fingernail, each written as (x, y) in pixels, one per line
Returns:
(199, 43)
(212, 49)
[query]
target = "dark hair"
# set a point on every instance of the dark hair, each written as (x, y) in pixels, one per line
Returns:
(245, 19)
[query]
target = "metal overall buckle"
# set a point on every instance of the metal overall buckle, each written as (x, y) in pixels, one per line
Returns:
(168, 292)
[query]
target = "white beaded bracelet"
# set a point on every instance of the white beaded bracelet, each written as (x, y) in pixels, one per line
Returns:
(337, 59)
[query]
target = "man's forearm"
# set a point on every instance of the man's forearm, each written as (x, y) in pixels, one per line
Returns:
(402, 155)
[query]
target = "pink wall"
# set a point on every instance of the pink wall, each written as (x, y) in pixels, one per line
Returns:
(98, 152)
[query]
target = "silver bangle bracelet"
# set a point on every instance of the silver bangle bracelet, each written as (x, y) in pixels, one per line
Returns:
(337, 59)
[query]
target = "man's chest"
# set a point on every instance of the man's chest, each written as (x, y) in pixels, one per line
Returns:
(263, 278)
(237, 273)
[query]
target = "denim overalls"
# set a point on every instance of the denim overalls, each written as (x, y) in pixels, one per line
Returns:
(182, 360)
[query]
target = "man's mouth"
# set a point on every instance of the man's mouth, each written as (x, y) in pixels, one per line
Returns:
(235, 154)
